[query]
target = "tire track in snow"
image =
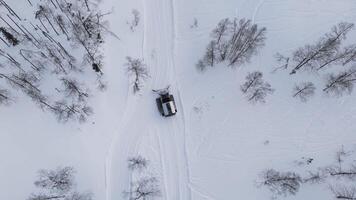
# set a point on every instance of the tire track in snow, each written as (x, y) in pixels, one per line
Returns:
(171, 131)
(257, 10)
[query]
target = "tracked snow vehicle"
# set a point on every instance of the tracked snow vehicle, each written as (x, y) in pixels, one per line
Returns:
(165, 103)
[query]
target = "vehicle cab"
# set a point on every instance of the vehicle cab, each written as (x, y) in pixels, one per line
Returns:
(166, 105)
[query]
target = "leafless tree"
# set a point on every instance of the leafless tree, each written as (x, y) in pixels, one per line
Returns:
(60, 180)
(195, 24)
(135, 21)
(255, 88)
(314, 177)
(344, 192)
(57, 184)
(138, 69)
(325, 51)
(10, 37)
(282, 60)
(73, 89)
(281, 183)
(234, 41)
(304, 91)
(145, 188)
(5, 97)
(60, 43)
(137, 163)
(245, 41)
(341, 83)
(210, 57)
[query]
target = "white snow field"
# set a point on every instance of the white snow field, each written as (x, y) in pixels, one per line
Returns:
(218, 143)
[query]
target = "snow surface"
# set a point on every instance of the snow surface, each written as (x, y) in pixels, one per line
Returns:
(215, 147)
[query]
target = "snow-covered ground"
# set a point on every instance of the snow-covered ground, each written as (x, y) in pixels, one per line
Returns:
(216, 145)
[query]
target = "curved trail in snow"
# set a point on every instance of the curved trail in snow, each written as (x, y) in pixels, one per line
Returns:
(141, 117)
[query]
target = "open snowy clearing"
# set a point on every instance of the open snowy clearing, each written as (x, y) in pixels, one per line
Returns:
(218, 143)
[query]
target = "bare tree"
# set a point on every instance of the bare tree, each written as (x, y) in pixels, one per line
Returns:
(60, 180)
(325, 51)
(304, 91)
(39, 59)
(138, 69)
(4, 96)
(343, 192)
(281, 183)
(282, 60)
(135, 21)
(246, 40)
(145, 188)
(10, 37)
(341, 83)
(142, 186)
(255, 88)
(137, 163)
(314, 177)
(57, 184)
(73, 89)
(234, 41)
(210, 57)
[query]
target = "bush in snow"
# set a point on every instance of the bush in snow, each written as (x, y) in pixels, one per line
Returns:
(137, 69)
(53, 57)
(234, 41)
(255, 88)
(57, 184)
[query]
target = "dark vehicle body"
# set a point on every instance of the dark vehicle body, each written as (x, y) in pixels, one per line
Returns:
(166, 105)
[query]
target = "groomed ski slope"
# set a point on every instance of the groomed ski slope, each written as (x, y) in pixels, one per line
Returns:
(143, 130)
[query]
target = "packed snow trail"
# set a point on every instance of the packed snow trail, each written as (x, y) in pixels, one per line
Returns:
(141, 117)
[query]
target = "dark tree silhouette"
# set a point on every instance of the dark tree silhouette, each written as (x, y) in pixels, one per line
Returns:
(281, 183)
(48, 53)
(138, 69)
(304, 91)
(57, 184)
(341, 83)
(137, 163)
(11, 38)
(234, 41)
(255, 88)
(4, 96)
(343, 192)
(144, 188)
(326, 50)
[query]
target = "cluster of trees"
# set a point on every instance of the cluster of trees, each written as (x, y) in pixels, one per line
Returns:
(233, 41)
(236, 41)
(58, 184)
(320, 57)
(143, 185)
(53, 57)
(340, 177)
